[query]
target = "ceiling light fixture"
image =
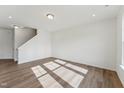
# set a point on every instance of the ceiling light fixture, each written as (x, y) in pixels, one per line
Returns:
(50, 16)
(10, 17)
(15, 26)
(93, 15)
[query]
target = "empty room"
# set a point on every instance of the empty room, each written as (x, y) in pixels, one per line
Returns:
(61, 46)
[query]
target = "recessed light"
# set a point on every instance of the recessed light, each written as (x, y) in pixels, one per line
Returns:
(50, 16)
(10, 17)
(93, 15)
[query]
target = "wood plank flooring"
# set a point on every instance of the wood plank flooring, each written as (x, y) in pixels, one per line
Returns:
(13, 75)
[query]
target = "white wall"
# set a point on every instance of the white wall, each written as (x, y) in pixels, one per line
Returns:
(37, 48)
(120, 28)
(93, 44)
(22, 35)
(6, 44)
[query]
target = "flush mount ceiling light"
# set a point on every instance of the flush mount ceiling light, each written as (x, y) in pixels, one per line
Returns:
(50, 16)
(10, 17)
(16, 27)
(93, 15)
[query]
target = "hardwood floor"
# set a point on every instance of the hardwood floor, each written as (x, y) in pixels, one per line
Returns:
(13, 75)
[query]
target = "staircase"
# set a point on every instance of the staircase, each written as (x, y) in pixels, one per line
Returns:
(22, 36)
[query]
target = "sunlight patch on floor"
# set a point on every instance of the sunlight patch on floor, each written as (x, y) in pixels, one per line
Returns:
(69, 76)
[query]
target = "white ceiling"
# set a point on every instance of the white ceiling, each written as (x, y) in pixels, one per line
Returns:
(65, 16)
